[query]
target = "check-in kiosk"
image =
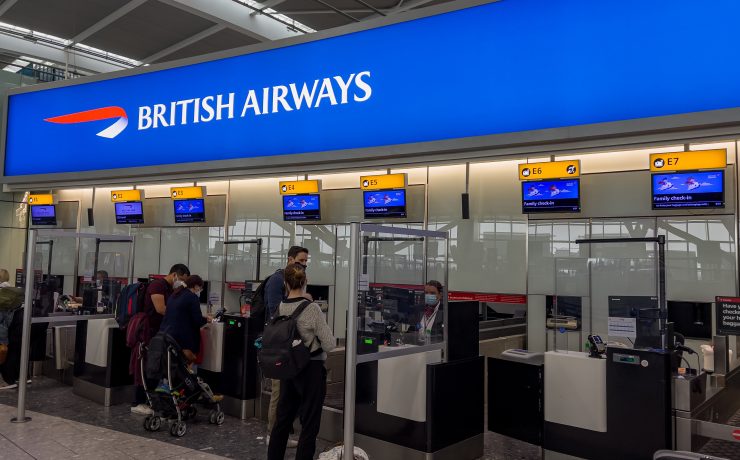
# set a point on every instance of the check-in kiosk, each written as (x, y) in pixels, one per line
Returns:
(406, 398)
(614, 400)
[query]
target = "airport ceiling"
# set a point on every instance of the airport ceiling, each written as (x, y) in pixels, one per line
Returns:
(126, 33)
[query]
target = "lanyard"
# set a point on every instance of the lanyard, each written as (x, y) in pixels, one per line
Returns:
(427, 324)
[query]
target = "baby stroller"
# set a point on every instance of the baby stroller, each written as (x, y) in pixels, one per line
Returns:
(176, 400)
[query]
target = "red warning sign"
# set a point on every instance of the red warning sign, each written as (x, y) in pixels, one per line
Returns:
(736, 435)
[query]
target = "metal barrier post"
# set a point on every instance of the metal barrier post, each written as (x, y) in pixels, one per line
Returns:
(26, 336)
(351, 344)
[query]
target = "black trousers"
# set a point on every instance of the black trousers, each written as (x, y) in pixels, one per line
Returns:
(302, 396)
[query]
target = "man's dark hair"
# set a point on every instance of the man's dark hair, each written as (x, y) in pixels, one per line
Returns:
(295, 250)
(102, 273)
(435, 284)
(180, 270)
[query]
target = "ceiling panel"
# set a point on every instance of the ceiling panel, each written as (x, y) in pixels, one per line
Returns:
(149, 28)
(63, 18)
(224, 40)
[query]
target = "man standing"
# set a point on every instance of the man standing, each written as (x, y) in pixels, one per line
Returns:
(155, 304)
(274, 294)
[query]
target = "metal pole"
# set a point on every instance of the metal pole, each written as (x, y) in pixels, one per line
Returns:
(26, 339)
(351, 344)
(662, 303)
(259, 260)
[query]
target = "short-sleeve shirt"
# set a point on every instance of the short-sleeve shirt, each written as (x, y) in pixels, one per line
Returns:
(161, 287)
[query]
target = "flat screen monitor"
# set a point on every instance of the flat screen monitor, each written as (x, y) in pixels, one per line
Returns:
(189, 211)
(551, 196)
(43, 215)
(693, 190)
(301, 207)
(129, 213)
(693, 320)
(384, 204)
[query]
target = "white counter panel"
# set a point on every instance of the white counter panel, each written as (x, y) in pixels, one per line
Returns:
(575, 390)
(402, 384)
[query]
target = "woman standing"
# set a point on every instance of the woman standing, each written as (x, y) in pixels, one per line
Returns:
(183, 317)
(304, 394)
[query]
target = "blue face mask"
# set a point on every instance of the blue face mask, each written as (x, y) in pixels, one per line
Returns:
(430, 299)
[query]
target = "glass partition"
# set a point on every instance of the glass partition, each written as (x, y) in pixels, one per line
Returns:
(614, 293)
(402, 301)
(60, 290)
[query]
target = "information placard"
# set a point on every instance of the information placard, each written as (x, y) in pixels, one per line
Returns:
(688, 161)
(550, 170)
(728, 315)
(122, 196)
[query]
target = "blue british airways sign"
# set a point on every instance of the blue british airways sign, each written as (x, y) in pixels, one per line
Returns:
(504, 67)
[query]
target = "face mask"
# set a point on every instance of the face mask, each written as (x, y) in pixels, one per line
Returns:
(430, 299)
(198, 293)
(304, 266)
(178, 283)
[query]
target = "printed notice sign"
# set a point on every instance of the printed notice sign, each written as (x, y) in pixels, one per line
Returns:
(728, 315)
(622, 327)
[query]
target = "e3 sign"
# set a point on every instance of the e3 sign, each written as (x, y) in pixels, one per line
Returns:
(688, 161)
(550, 170)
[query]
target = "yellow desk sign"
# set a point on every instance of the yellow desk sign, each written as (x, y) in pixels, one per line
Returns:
(120, 196)
(187, 193)
(384, 182)
(299, 187)
(40, 199)
(550, 170)
(684, 161)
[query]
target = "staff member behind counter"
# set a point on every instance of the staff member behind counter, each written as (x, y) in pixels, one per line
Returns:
(431, 321)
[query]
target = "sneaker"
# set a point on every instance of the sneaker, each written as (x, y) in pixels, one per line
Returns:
(267, 440)
(9, 387)
(142, 409)
(163, 388)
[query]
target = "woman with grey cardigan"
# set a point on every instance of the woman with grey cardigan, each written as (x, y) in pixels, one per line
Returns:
(304, 394)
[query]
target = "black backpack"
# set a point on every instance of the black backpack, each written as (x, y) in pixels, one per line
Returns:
(258, 309)
(283, 354)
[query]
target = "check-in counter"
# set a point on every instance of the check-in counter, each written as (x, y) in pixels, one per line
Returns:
(412, 406)
(101, 370)
(212, 346)
(239, 376)
(611, 408)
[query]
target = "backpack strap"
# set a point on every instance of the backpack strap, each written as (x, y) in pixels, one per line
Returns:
(297, 312)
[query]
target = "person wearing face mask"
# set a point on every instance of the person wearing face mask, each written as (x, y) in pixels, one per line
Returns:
(183, 318)
(155, 305)
(431, 320)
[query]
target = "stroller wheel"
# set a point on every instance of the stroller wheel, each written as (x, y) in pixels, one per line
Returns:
(178, 429)
(148, 423)
(155, 424)
(212, 417)
(220, 418)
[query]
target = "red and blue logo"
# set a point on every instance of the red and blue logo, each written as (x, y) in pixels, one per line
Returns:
(103, 113)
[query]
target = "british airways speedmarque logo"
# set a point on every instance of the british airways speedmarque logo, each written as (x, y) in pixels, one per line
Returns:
(334, 91)
(103, 113)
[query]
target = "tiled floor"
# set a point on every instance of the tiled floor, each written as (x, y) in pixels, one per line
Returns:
(67, 426)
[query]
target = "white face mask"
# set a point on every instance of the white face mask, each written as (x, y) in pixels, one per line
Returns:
(178, 283)
(198, 293)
